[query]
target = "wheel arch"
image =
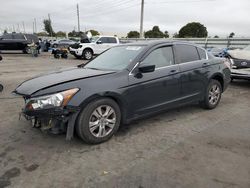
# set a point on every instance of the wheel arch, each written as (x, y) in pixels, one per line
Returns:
(219, 78)
(111, 95)
(88, 48)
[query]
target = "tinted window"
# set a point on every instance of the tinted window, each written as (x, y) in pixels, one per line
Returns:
(104, 40)
(7, 36)
(202, 53)
(186, 53)
(18, 36)
(160, 57)
(112, 40)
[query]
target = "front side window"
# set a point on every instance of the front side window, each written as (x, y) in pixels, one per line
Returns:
(104, 40)
(186, 53)
(18, 36)
(160, 57)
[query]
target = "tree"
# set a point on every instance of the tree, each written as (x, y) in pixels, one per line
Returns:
(94, 32)
(193, 29)
(232, 35)
(48, 27)
(61, 34)
(155, 33)
(133, 34)
(75, 34)
(175, 35)
(42, 34)
(216, 36)
(5, 31)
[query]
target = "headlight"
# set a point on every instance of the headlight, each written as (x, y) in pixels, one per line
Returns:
(50, 101)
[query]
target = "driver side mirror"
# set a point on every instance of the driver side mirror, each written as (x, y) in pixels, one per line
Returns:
(146, 68)
(99, 42)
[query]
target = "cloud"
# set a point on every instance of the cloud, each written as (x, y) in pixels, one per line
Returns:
(120, 16)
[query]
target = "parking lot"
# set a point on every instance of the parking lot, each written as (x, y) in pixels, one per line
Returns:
(186, 147)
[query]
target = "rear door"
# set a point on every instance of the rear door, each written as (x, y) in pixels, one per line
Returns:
(155, 90)
(19, 41)
(193, 71)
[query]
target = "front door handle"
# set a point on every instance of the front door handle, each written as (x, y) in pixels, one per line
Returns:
(205, 64)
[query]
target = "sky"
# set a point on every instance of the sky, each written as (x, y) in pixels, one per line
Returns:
(221, 17)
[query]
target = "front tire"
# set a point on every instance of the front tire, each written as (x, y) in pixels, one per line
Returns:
(98, 121)
(213, 95)
(87, 54)
(26, 50)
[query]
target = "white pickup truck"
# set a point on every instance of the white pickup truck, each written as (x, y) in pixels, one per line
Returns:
(97, 45)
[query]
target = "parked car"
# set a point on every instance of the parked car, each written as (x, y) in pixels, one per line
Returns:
(243, 74)
(217, 52)
(240, 58)
(63, 42)
(17, 41)
(97, 45)
(124, 83)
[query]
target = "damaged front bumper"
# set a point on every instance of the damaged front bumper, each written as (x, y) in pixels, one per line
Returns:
(55, 120)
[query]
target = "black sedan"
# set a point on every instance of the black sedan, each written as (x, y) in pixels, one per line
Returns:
(124, 83)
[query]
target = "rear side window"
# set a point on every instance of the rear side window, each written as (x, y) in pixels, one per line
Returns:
(186, 53)
(160, 57)
(112, 40)
(202, 53)
(7, 36)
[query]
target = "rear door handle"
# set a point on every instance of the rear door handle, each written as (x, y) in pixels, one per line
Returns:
(174, 71)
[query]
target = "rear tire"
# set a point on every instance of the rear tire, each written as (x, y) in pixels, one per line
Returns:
(213, 95)
(98, 121)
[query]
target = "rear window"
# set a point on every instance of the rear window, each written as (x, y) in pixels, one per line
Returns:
(186, 53)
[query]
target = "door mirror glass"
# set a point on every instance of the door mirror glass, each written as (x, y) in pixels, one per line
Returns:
(146, 68)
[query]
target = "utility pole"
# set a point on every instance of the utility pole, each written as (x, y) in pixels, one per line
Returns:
(78, 17)
(23, 27)
(141, 23)
(50, 27)
(18, 28)
(35, 25)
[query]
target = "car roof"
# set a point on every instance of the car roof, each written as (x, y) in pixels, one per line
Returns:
(158, 42)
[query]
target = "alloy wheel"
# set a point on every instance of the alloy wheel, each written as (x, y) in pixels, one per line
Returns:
(214, 94)
(102, 121)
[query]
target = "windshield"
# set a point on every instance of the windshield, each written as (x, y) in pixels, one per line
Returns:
(247, 48)
(117, 58)
(94, 39)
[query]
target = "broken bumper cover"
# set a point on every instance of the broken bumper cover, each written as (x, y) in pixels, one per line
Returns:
(62, 119)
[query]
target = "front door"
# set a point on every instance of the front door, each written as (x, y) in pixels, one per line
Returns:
(156, 90)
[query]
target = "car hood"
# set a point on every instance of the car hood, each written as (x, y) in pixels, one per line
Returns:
(40, 82)
(239, 54)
